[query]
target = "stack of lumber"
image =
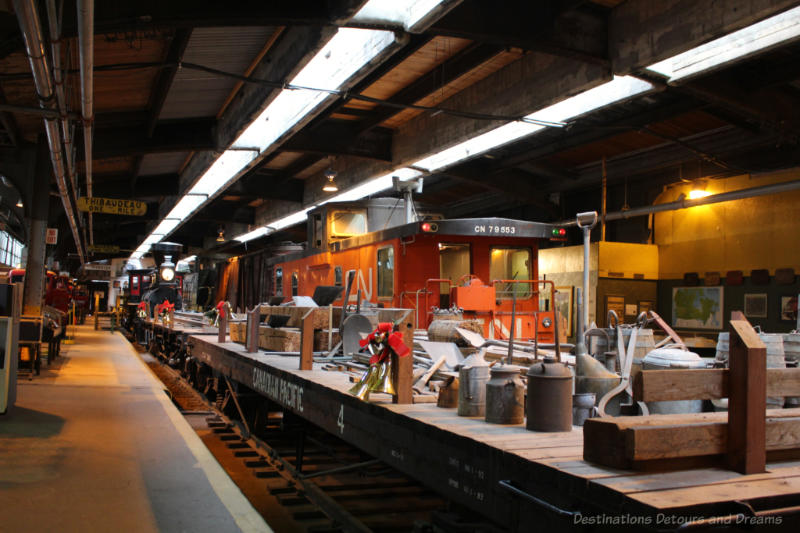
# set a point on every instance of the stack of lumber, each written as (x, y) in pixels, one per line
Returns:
(323, 316)
(279, 339)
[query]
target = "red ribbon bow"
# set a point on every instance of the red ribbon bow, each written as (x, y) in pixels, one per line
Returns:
(387, 341)
(166, 306)
(142, 305)
(221, 309)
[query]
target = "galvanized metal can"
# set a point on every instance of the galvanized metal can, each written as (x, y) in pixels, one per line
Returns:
(549, 396)
(505, 397)
(472, 390)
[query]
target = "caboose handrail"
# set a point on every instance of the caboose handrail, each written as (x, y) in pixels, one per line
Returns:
(428, 292)
(535, 290)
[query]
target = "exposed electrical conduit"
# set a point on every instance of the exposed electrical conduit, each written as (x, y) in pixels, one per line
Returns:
(687, 202)
(86, 53)
(54, 24)
(28, 18)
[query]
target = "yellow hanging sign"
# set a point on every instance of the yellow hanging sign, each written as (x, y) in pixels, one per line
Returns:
(112, 206)
(103, 248)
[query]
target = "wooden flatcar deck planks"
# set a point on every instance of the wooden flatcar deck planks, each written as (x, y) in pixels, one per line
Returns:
(561, 453)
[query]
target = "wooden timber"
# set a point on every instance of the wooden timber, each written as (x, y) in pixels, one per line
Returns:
(632, 441)
(705, 384)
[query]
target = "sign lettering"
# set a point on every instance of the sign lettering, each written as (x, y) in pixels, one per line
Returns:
(112, 206)
(103, 248)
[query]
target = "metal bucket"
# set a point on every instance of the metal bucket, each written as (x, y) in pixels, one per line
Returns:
(644, 344)
(775, 359)
(505, 397)
(673, 358)
(791, 346)
(582, 407)
(723, 347)
(472, 390)
(549, 396)
(775, 356)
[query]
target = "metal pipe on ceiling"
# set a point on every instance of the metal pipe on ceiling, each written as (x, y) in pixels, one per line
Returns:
(685, 203)
(30, 26)
(54, 25)
(86, 54)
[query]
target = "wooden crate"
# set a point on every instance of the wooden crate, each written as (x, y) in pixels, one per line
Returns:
(279, 339)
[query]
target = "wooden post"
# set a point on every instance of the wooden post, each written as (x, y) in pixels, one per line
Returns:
(307, 341)
(251, 333)
(747, 405)
(403, 367)
(223, 326)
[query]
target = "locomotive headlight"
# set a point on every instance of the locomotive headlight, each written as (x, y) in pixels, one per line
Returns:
(167, 271)
(546, 322)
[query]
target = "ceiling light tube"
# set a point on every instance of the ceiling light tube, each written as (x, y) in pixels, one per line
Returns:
(747, 42)
(615, 91)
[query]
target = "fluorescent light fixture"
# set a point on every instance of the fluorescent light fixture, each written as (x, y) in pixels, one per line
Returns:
(407, 13)
(166, 226)
(222, 171)
(151, 239)
(612, 92)
(186, 206)
(741, 44)
(250, 235)
(344, 55)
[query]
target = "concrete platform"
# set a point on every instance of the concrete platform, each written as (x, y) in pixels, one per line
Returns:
(94, 444)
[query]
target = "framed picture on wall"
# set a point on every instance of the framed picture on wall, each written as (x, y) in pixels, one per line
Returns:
(789, 308)
(563, 308)
(697, 307)
(755, 305)
(616, 304)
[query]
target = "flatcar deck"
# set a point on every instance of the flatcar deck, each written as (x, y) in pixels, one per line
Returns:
(504, 472)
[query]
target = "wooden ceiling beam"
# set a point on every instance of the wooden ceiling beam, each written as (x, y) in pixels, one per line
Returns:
(173, 136)
(561, 28)
(342, 137)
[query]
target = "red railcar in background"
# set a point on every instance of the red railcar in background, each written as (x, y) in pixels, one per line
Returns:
(485, 267)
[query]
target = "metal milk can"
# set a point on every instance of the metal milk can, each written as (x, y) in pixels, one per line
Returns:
(472, 378)
(549, 396)
(505, 397)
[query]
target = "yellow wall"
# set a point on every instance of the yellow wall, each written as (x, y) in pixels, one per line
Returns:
(762, 232)
(633, 261)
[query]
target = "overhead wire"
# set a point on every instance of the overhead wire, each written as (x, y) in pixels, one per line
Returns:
(346, 94)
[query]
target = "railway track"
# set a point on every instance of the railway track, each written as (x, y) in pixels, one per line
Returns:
(300, 477)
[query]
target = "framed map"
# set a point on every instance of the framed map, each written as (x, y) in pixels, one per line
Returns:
(697, 307)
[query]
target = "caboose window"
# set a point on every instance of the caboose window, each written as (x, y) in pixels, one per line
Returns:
(295, 283)
(511, 264)
(348, 223)
(386, 272)
(337, 276)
